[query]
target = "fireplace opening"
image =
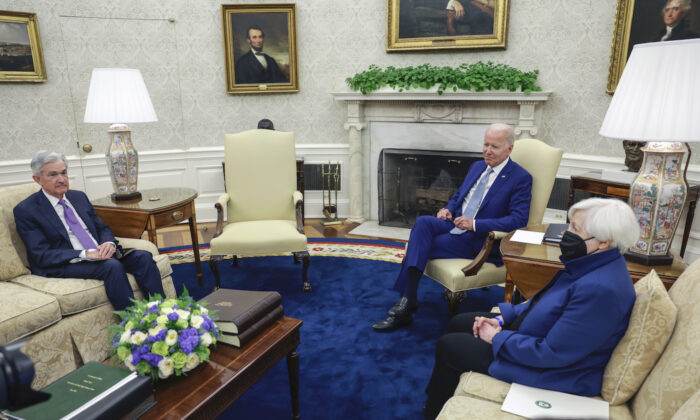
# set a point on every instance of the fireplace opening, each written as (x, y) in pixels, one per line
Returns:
(413, 183)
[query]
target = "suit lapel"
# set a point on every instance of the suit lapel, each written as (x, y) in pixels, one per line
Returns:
(45, 207)
(497, 184)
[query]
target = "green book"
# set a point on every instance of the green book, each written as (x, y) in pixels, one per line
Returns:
(74, 390)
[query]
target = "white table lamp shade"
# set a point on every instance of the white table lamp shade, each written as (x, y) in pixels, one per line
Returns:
(118, 96)
(658, 96)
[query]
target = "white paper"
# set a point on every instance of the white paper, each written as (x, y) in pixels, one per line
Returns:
(537, 403)
(525, 236)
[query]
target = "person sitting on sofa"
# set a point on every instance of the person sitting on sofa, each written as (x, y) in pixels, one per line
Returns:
(65, 238)
(560, 339)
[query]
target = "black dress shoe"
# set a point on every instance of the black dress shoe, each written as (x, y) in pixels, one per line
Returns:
(402, 306)
(392, 323)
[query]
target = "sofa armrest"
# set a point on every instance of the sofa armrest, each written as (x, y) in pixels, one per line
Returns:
(138, 244)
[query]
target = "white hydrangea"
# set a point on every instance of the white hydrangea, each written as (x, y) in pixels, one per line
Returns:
(183, 314)
(126, 337)
(154, 303)
(167, 311)
(138, 337)
(203, 310)
(155, 330)
(205, 339)
(128, 363)
(171, 337)
(196, 321)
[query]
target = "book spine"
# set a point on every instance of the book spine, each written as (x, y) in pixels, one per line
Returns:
(260, 326)
(258, 311)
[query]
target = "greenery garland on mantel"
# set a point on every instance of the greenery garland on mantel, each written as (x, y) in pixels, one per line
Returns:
(479, 76)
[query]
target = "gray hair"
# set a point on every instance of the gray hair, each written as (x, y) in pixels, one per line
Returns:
(44, 157)
(685, 5)
(506, 130)
(609, 218)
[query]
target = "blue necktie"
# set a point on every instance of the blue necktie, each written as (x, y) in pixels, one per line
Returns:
(473, 204)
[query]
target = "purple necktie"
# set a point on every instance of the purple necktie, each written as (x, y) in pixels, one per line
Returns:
(75, 226)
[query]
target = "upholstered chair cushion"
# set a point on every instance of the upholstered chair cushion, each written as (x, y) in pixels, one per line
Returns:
(449, 272)
(11, 265)
(24, 311)
(9, 198)
(676, 376)
(651, 324)
(263, 237)
(483, 387)
(690, 409)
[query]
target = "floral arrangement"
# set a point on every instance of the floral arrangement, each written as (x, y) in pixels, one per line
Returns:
(164, 337)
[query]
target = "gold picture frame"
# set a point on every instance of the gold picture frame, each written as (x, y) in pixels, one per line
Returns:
(260, 48)
(21, 56)
(414, 25)
(638, 22)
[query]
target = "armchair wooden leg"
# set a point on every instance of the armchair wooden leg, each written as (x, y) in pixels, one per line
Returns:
(214, 261)
(234, 261)
(453, 301)
(304, 257)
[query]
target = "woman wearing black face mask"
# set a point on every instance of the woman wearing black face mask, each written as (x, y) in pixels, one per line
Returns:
(562, 338)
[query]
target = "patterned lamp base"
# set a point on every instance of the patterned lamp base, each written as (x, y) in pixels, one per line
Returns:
(123, 162)
(657, 197)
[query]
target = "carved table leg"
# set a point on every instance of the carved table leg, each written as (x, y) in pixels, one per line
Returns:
(214, 261)
(293, 371)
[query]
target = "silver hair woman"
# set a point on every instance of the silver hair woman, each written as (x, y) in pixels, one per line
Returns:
(44, 157)
(560, 339)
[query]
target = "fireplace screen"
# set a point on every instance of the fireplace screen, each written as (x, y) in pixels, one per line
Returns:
(413, 183)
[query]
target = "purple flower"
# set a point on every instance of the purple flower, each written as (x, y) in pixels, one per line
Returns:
(172, 316)
(138, 353)
(188, 340)
(152, 359)
(158, 337)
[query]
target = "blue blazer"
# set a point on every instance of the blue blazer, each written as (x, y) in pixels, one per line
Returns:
(48, 246)
(505, 207)
(565, 341)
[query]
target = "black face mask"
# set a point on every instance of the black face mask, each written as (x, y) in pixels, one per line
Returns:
(573, 246)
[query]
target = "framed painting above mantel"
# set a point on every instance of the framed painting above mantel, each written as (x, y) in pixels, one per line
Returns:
(21, 57)
(446, 24)
(642, 21)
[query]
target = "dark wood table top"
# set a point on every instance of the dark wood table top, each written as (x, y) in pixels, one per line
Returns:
(211, 387)
(151, 200)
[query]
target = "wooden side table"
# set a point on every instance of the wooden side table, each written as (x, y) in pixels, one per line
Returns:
(593, 183)
(530, 267)
(158, 208)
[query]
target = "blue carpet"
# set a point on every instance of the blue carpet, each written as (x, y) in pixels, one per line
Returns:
(347, 371)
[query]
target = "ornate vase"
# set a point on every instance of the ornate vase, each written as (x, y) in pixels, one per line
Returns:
(657, 197)
(123, 162)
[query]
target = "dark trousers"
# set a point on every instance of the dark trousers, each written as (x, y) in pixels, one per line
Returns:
(458, 351)
(113, 273)
(431, 238)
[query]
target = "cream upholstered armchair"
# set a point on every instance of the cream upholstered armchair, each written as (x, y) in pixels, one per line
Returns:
(459, 275)
(262, 205)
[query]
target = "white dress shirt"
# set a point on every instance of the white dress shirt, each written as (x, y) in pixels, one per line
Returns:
(492, 178)
(260, 57)
(59, 211)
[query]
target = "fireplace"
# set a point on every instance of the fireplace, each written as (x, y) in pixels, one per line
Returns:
(413, 183)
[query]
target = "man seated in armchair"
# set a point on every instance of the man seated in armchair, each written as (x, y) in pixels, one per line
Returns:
(65, 238)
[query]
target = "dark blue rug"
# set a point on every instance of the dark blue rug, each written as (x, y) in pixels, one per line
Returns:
(347, 370)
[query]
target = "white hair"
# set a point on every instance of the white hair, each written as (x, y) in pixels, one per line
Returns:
(609, 218)
(506, 130)
(685, 5)
(44, 157)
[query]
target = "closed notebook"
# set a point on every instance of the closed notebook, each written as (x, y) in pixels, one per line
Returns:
(237, 310)
(555, 232)
(239, 340)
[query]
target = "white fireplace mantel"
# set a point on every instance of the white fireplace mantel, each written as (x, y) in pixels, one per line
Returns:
(522, 111)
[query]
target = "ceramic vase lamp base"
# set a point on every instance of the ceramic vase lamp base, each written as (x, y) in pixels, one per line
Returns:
(657, 197)
(123, 163)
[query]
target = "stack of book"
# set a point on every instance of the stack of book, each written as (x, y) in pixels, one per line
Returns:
(554, 233)
(243, 314)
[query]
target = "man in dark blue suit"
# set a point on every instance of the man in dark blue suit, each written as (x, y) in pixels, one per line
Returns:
(66, 238)
(495, 195)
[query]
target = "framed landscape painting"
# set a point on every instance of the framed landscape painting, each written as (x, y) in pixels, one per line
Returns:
(446, 24)
(642, 21)
(21, 58)
(260, 48)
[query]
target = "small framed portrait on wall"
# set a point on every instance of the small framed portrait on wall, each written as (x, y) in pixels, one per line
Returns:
(642, 21)
(21, 58)
(446, 24)
(260, 48)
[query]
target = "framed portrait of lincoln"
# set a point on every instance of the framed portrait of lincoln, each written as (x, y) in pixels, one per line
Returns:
(446, 24)
(260, 48)
(21, 57)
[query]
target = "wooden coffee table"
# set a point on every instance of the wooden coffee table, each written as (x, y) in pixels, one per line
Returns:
(211, 387)
(530, 267)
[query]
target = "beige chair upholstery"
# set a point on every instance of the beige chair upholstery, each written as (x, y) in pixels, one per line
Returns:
(459, 275)
(670, 391)
(262, 206)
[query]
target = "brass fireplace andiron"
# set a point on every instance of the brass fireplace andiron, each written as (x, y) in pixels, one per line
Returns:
(330, 210)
